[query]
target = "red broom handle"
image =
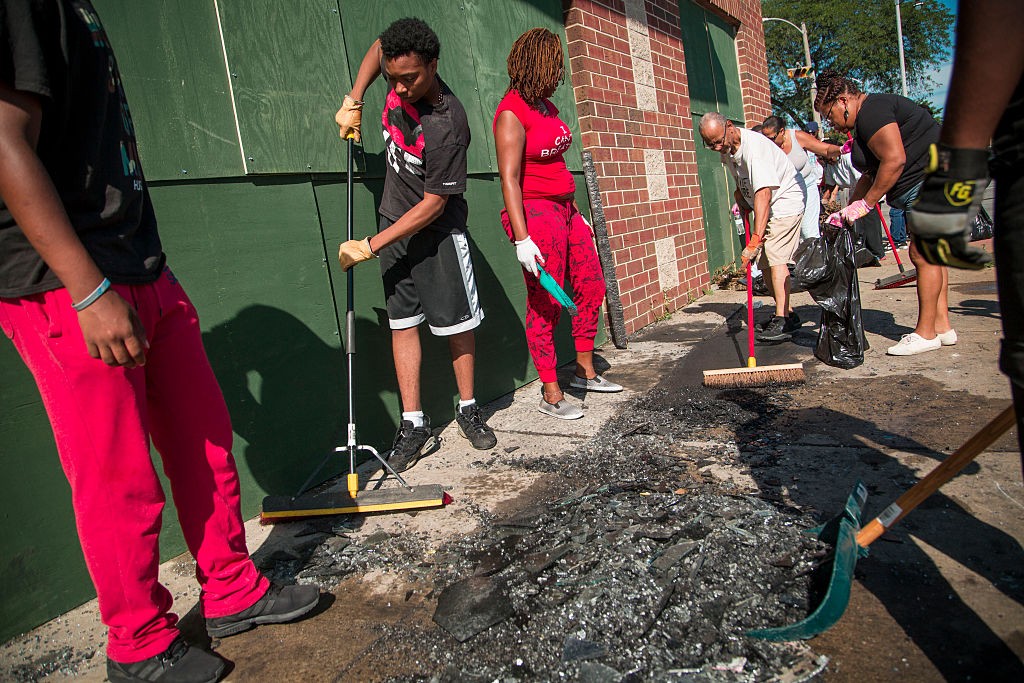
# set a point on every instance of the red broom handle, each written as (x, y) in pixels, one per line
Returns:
(751, 360)
(885, 226)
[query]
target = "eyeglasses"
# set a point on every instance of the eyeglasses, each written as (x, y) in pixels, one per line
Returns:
(719, 143)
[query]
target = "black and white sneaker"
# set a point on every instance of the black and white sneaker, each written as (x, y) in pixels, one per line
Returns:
(411, 443)
(774, 331)
(180, 663)
(473, 427)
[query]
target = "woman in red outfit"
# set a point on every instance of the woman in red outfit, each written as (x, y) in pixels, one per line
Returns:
(541, 218)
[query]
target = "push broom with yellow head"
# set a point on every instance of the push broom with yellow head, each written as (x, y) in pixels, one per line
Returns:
(752, 375)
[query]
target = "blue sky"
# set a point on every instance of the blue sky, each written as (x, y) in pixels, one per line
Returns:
(942, 73)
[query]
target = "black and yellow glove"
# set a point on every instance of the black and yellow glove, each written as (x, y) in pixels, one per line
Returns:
(940, 218)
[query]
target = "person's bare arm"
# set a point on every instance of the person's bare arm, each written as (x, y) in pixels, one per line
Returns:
(762, 207)
(824, 149)
(509, 141)
(887, 145)
(369, 70)
(111, 329)
(987, 66)
(412, 221)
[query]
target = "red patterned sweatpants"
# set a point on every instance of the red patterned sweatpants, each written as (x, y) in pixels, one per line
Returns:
(565, 240)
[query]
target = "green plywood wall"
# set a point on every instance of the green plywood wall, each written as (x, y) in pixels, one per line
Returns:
(712, 73)
(255, 244)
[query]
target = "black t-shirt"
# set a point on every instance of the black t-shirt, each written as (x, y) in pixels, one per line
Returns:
(1008, 141)
(58, 50)
(917, 128)
(425, 148)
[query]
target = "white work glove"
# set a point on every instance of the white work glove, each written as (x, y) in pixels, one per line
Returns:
(528, 255)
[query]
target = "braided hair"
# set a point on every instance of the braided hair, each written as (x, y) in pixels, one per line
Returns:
(535, 65)
(831, 84)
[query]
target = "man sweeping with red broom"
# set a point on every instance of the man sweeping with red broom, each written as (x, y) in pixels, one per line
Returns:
(768, 184)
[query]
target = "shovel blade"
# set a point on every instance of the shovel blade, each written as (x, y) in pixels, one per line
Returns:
(841, 533)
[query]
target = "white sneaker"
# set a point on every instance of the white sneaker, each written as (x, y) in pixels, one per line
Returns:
(913, 343)
(596, 383)
(563, 410)
(948, 338)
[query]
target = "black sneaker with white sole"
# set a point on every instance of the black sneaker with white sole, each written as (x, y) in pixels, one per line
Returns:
(411, 443)
(774, 331)
(179, 663)
(280, 604)
(472, 426)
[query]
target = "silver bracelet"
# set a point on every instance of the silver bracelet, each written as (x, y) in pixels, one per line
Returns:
(91, 299)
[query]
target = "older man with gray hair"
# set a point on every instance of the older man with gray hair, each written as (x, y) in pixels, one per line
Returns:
(768, 185)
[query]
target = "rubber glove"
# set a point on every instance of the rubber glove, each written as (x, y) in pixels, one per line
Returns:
(528, 255)
(940, 218)
(750, 251)
(353, 252)
(847, 147)
(349, 119)
(835, 219)
(855, 210)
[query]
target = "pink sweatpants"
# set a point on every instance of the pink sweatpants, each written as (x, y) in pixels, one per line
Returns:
(567, 244)
(103, 419)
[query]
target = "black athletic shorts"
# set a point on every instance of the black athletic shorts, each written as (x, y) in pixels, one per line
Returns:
(429, 276)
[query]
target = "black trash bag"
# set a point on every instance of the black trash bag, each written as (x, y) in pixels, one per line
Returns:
(981, 226)
(829, 272)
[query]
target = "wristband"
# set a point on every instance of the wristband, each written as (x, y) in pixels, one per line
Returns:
(91, 299)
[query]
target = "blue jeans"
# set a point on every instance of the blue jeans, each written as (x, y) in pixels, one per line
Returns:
(897, 212)
(897, 224)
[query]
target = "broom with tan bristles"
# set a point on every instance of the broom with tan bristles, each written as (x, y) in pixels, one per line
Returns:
(752, 375)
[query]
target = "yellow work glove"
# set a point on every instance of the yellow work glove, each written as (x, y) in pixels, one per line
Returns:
(353, 252)
(349, 118)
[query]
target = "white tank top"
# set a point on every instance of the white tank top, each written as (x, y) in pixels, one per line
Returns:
(804, 163)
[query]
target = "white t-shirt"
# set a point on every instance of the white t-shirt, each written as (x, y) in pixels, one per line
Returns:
(842, 174)
(759, 163)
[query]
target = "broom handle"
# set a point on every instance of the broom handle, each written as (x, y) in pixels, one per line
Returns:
(751, 360)
(945, 471)
(885, 226)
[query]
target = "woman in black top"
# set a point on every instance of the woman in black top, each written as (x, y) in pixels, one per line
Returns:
(891, 139)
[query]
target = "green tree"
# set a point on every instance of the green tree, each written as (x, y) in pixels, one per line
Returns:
(858, 39)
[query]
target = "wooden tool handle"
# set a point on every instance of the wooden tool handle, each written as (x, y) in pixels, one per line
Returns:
(946, 470)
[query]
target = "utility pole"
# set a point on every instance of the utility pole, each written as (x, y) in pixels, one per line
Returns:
(899, 39)
(809, 66)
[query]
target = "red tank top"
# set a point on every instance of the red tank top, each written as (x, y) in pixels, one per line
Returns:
(544, 173)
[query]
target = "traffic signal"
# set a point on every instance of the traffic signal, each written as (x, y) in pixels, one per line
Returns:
(800, 72)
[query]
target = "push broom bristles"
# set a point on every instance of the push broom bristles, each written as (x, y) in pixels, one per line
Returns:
(898, 280)
(769, 375)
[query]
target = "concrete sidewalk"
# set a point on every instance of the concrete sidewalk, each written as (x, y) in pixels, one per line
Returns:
(898, 396)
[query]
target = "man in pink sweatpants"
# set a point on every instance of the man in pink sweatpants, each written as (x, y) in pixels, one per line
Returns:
(115, 348)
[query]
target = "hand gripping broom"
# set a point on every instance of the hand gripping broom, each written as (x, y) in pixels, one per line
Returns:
(339, 502)
(752, 375)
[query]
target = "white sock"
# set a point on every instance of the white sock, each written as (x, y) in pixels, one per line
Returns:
(466, 404)
(416, 417)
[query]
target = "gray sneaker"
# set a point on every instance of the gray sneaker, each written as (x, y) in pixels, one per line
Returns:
(563, 410)
(597, 383)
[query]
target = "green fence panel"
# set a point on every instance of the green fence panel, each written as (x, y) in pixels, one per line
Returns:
(172, 65)
(493, 27)
(700, 68)
(41, 563)
(722, 38)
(712, 72)
(716, 188)
(287, 68)
(250, 253)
